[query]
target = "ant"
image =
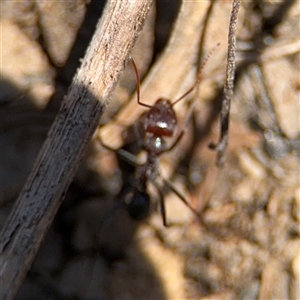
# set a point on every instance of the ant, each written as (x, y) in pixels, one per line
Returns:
(159, 124)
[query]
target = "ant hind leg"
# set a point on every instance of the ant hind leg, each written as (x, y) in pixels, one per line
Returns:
(162, 206)
(179, 195)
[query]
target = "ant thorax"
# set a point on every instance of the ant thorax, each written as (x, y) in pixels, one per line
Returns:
(154, 145)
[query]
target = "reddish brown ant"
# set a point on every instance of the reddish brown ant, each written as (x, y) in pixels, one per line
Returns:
(159, 123)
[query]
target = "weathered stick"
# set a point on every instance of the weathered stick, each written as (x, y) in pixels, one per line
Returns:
(73, 128)
(228, 86)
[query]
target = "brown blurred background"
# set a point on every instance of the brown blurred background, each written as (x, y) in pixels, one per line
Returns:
(248, 244)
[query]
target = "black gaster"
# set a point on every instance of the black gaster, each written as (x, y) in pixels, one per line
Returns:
(137, 204)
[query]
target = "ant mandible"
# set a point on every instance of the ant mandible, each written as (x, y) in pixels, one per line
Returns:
(159, 124)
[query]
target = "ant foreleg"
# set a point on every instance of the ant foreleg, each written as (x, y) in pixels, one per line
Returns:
(125, 155)
(138, 135)
(176, 141)
(182, 131)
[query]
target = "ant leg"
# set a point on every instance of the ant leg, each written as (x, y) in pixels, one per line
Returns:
(182, 198)
(125, 155)
(179, 195)
(111, 213)
(99, 140)
(162, 205)
(176, 141)
(183, 131)
(138, 135)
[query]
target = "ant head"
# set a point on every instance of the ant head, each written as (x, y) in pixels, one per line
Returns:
(161, 119)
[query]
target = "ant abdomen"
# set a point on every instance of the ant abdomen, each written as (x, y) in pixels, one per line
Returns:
(137, 204)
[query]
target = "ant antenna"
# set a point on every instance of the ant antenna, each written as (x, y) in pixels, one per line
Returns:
(138, 81)
(138, 85)
(198, 76)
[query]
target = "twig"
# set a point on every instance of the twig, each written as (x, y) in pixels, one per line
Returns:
(73, 128)
(228, 86)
